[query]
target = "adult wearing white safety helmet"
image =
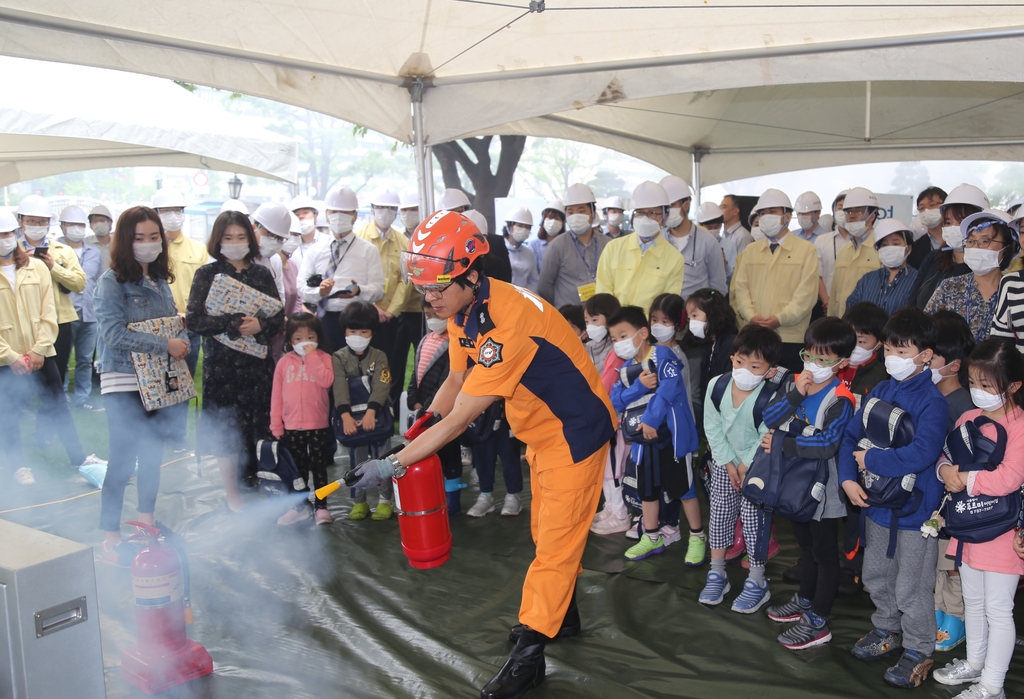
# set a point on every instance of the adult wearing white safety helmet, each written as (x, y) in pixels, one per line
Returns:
(929, 216)
(272, 224)
(828, 247)
(305, 208)
(776, 279)
(523, 261)
(322, 228)
(552, 224)
(636, 269)
(614, 212)
(1008, 319)
(808, 215)
(705, 266)
(735, 236)
(101, 224)
(409, 213)
(454, 200)
(568, 272)
(346, 261)
(948, 261)
(234, 205)
(889, 286)
(83, 331)
(853, 261)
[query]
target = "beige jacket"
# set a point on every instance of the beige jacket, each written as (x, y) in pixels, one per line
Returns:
(28, 317)
(66, 272)
(399, 297)
(852, 263)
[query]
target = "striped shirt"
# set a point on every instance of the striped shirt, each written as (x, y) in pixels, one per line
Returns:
(116, 382)
(876, 288)
(1008, 319)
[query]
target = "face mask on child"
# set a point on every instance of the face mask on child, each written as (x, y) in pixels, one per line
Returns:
(861, 355)
(698, 328)
(746, 380)
(436, 325)
(819, 374)
(597, 333)
(625, 349)
(900, 367)
(304, 348)
(357, 343)
(987, 401)
(663, 333)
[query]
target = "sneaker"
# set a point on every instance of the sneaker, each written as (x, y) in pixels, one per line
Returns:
(773, 549)
(610, 525)
(23, 476)
(789, 611)
(93, 460)
(359, 511)
(634, 531)
(484, 505)
(670, 534)
(601, 514)
(91, 407)
(957, 672)
(645, 548)
(383, 511)
(878, 644)
(715, 589)
(752, 598)
(513, 505)
(294, 517)
(467, 459)
(979, 691)
(910, 671)
(119, 556)
(805, 634)
(739, 544)
(696, 551)
(179, 447)
(322, 516)
(950, 634)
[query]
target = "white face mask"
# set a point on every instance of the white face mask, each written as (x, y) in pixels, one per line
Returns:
(819, 374)
(892, 256)
(147, 252)
(698, 328)
(234, 251)
(270, 246)
(625, 349)
(101, 228)
(756, 233)
(770, 224)
(860, 355)
(952, 237)
(806, 221)
(36, 233)
(172, 220)
(578, 223)
(900, 367)
(520, 233)
(663, 333)
(646, 228)
(436, 325)
(76, 234)
(937, 377)
(357, 343)
(930, 218)
(307, 225)
(987, 401)
(339, 223)
(291, 245)
(675, 217)
(614, 218)
(746, 380)
(7, 246)
(981, 261)
(552, 226)
(858, 229)
(304, 348)
(840, 218)
(410, 219)
(384, 218)
(597, 333)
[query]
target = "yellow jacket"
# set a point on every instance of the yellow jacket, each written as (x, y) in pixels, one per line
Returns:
(852, 263)
(783, 284)
(636, 278)
(399, 297)
(28, 317)
(66, 272)
(186, 256)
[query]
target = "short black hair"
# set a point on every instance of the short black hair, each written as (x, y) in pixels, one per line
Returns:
(910, 326)
(998, 360)
(713, 222)
(866, 318)
(721, 316)
(758, 340)
(300, 320)
(954, 340)
(633, 315)
(573, 312)
(931, 192)
(671, 305)
(602, 305)
(359, 315)
(832, 335)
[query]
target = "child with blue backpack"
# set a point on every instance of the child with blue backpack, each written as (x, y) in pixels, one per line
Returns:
(813, 414)
(666, 433)
(901, 585)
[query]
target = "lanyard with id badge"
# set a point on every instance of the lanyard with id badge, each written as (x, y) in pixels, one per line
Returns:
(586, 291)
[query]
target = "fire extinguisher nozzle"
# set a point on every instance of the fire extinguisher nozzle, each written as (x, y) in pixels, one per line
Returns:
(322, 493)
(189, 616)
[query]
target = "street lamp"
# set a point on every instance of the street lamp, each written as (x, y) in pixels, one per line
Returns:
(234, 187)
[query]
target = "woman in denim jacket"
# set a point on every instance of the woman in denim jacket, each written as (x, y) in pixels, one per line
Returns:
(135, 288)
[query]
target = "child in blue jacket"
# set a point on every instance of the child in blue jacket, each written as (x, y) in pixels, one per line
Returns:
(901, 587)
(662, 469)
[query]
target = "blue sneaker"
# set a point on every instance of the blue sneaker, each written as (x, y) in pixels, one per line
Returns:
(910, 671)
(752, 598)
(714, 589)
(951, 633)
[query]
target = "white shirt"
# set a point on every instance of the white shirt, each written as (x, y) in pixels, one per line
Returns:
(524, 265)
(276, 269)
(828, 247)
(359, 260)
(10, 271)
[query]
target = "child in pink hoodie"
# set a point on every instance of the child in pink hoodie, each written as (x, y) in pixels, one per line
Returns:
(990, 570)
(300, 409)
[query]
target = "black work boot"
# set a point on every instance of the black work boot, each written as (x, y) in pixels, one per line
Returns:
(523, 670)
(570, 623)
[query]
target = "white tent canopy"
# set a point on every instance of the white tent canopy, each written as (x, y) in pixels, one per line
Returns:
(751, 87)
(66, 118)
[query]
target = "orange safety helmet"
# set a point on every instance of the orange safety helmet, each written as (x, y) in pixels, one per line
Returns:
(442, 248)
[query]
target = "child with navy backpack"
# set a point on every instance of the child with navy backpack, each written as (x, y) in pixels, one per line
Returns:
(813, 414)
(734, 433)
(990, 571)
(901, 586)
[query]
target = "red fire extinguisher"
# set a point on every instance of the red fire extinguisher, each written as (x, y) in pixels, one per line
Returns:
(164, 655)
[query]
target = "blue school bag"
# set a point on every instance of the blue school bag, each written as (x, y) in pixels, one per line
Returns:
(278, 473)
(359, 397)
(633, 415)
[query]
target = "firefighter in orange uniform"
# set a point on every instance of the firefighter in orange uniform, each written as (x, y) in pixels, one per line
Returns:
(508, 343)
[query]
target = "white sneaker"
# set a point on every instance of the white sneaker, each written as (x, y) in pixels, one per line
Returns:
(610, 525)
(474, 480)
(670, 534)
(24, 476)
(513, 506)
(634, 531)
(92, 459)
(484, 505)
(978, 691)
(957, 672)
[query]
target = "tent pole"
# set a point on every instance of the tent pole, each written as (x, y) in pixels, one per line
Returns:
(697, 155)
(424, 167)
(867, 113)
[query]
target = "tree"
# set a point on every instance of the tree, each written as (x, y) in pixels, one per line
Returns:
(910, 178)
(1009, 184)
(487, 183)
(551, 165)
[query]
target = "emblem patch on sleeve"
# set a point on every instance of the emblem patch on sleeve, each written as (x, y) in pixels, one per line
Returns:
(490, 353)
(385, 376)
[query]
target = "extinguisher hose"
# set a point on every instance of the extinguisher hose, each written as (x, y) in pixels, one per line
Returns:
(172, 539)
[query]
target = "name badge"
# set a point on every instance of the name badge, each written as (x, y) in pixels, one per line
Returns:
(586, 291)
